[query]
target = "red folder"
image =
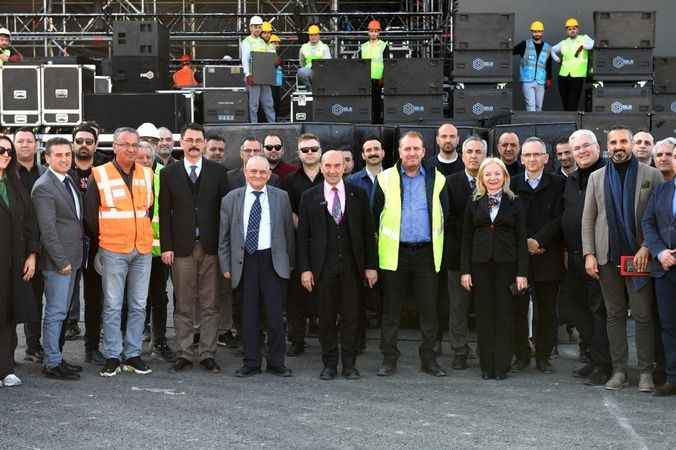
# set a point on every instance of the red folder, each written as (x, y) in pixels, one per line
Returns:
(627, 268)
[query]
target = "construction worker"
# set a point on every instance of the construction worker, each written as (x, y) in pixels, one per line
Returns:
(374, 49)
(275, 42)
(536, 67)
(7, 52)
(573, 54)
(258, 94)
(315, 49)
(185, 76)
(266, 32)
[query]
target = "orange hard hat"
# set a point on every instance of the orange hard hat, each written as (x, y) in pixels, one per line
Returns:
(374, 25)
(185, 58)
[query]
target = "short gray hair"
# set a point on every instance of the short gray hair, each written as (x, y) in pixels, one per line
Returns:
(150, 147)
(119, 131)
(582, 133)
(538, 140)
(257, 158)
(475, 138)
(668, 141)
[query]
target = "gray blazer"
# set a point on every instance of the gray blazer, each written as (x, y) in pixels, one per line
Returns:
(594, 221)
(61, 231)
(232, 235)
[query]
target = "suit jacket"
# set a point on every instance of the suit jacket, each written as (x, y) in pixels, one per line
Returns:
(61, 230)
(459, 193)
(502, 241)
(177, 219)
(312, 230)
(236, 179)
(233, 237)
(659, 227)
(543, 207)
(594, 221)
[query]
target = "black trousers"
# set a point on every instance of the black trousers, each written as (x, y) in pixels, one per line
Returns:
(300, 305)
(7, 346)
(376, 102)
(158, 300)
(93, 301)
(570, 89)
(493, 301)
(443, 303)
(33, 330)
(544, 308)
(415, 277)
(260, 285)
(339, 295)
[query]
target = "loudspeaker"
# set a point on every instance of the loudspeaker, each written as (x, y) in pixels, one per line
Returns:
(341, 77)
(621, 100)
(664, 103)
(223, 76)
(663, 126)
(102, 85)
(21, 91)
(413, 108)
(418, 76)
(483, 31)
(545, 117)
(482, 66)
(624, 29)
(600, 123)
(225, 106)
(481, 103)
(140, 38)
(665, 75)
(301, 107)
(622, 64)
(140, 74)
(62, 90)
(347, 109)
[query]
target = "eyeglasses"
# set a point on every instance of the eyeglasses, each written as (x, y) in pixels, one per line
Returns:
(5, 151)
(309, 149)
(127, 145)
(532, 155)
(251, 150)
(270, 148)
(191, 141)
(80, 141)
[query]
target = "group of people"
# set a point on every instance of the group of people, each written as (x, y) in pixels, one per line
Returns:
(249, 248)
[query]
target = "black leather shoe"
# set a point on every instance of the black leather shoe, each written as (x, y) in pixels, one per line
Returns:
(281, 371)
(328, 373)
(432, 368)
(181, 364)
(584, 371)
(500, 376)
(387, 369)
(459, 362)
(544, 366)
(519, 365)
(598, 377)
(58, 373)
(666, 390)
(245, 371)
(351, 373)
(70, 367)
(94, 357)
(296, 349)
(210, 365)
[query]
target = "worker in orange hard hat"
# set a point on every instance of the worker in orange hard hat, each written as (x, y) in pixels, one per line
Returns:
(185, 76)
(573, 54)
(375, 50)
(536, 66)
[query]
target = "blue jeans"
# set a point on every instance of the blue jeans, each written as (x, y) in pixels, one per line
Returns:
(533, 95)
(58, 293)
(119, 270)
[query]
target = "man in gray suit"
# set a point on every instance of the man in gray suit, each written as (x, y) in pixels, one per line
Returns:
(58, 208)
(616, 198)
(256, 252)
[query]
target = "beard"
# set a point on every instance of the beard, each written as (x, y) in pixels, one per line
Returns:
(84, 155)
(163, 151)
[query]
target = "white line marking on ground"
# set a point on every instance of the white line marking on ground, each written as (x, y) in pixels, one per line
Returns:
(614, 409)
(158, 391)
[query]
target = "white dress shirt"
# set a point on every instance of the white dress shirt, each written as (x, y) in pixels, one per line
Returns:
(72, 192)
(533, 182)
(188, 165)
(264, 230)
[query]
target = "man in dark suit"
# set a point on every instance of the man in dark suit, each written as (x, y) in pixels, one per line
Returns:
(540, 195)
(190, 196)
(508, 148)
(250, 147)
(659, 227)
(58, 207)
(256, 249)
(336, 251)
(460, 186)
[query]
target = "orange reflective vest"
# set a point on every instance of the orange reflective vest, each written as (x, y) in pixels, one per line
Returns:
(124, 222)
(185, 77)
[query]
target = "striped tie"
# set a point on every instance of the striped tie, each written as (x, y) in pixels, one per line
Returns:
(253, 227)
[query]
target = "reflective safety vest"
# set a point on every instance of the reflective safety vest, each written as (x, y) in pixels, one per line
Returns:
(6, 52)
(185, 77)
(534, 68)
(156, 211)
(389, 181)
(312, 52)
(124, 223)
(571, 65)
(375, 54)
(257, 44)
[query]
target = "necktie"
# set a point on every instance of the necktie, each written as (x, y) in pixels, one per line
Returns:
(472, 184)
(193, 174)
(67, 184)
(253, 227)
(336, 211)
(493, 200)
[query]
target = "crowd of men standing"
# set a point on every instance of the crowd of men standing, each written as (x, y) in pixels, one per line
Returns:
(248, 247)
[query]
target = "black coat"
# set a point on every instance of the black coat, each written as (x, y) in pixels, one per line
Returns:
(502, 241)
(459, 193)
(18, 239)
(543, 207)
(312, 230)
(177, 219)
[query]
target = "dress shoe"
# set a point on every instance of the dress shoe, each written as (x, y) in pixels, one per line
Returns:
(645, 382)
(432, 368)
(501, 376)
(351, 373)
(181, 364)
(164, 352)
(387, 368)
(584, 371)
(244, 371)
(70, 367)
(544, 366)
(280, 371)
(459, 362)
(94, 357)
(58, 373)
(598, 377)
(666, 390)
(520, 365)
(328, 374)
(617, 381)
(210, 365)
(296, 349)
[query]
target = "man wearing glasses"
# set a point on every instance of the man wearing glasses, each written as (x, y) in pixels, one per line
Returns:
(250, 147)
(274, 152)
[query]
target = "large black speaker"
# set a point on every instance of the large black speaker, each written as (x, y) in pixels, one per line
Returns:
(481, 103)
(112, 111)
(341, 77)
(413, 108)
(62, 90)
(140, 38)
(225, 106)
(621, 100)
(664, 103)
(222, 76)
(140, 74)
(601, 123)
(20, 99)
(482, 66)
(622, 64)
(665, 75)
(346, 109)
(545, 117)
(418, 76)
(663, 126)
(624, 29)
(483, 31)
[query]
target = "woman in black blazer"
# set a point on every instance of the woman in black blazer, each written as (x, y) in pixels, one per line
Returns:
(494, 263)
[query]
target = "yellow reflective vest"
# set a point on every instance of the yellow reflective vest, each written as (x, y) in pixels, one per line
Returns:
(571, 65)
(375, 54)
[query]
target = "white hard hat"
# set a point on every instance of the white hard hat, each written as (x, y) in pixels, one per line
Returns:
(5, 31)
(148, 130)
(256, 20)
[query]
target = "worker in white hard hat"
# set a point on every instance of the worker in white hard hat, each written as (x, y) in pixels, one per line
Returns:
(535, 70)
(573, 54)
(148, 132)
(258, 94)
(7, 52)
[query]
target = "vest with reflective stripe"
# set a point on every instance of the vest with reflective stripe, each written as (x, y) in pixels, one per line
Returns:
(390, 219)
(375, 54)
(257, 44)
(312, 52)
(534, 68)
(156, 211)
(575, 67)
(6, 52)
(124, 224)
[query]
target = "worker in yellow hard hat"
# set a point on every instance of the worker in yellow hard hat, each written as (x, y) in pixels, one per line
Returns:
(536, 66)
(266, 31)
(276, 42)
(573, 54)
(314, 49)
(375, 50)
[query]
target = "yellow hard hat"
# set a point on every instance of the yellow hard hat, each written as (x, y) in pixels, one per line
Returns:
(537, 26)
(275, 38)
(267, 26)
(572, 23)
(313, 29)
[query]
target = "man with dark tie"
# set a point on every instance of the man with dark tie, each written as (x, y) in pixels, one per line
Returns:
(190, 196)
(256, 249)
(460, 187)
(58, 207)
(336, 252)
(373, 154)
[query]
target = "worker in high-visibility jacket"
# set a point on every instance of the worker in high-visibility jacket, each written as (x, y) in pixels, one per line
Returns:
(276, 42)
(573, 54)
(259, 95)
(118, 213)
(185, 76)
(7, 52)
(410, 208)
(535, 69)
(314, 49)
(375, 50)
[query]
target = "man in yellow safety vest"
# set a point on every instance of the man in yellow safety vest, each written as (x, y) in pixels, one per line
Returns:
(375, 50)
(314, 49)
(258, 94)
(573, 54)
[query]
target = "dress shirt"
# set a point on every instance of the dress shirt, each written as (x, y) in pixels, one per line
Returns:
(533, 182)
(329, 196)
(72, 192)
(415, 223)
(470, 179)
(494, 209)
(264, 230)
(188, 165)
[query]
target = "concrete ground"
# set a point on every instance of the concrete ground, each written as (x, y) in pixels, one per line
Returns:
(409, 410)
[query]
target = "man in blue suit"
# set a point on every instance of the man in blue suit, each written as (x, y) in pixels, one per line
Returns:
(659, 227)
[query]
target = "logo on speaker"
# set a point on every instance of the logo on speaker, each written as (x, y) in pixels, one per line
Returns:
(480, 64)
(619, 108)
(338, 109)
(619, 62)
(478, 109)
(672, 107)
(410, 109)
(149, 75)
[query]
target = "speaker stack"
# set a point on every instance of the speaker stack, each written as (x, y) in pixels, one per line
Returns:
(341, 90)
(414, 91)
(664, 99)
(482, 66)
